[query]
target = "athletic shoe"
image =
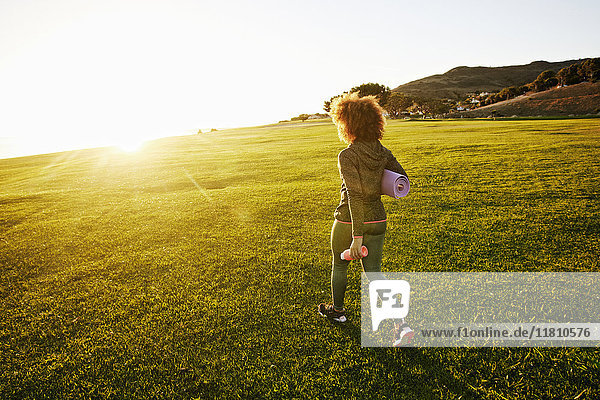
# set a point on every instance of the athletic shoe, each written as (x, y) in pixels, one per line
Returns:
(403, 335)
(328, 311)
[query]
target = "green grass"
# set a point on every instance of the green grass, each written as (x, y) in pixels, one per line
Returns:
(192, 269)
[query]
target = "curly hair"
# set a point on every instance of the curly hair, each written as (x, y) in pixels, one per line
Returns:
(357, 117)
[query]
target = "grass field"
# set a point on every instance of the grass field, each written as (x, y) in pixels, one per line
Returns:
(192, 269)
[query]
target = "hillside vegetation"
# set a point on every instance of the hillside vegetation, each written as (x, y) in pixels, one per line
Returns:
(579, 99)
(459, 81)
(192, 269)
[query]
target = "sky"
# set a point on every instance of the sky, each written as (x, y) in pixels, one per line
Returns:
(77, 74)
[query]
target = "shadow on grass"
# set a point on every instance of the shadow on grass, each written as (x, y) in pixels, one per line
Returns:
(432, 376)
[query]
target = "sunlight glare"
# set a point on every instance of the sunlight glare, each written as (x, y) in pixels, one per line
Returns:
(130, 145)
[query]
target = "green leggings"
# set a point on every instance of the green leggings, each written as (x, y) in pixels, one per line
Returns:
(341, 238)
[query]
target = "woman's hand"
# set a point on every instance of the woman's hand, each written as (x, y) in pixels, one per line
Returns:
(356, 248)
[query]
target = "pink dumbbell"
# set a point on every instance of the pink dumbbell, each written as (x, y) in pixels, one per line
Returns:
(346, 254)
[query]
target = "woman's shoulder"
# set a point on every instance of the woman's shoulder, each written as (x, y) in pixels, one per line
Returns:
(346, 151)
(346, 154)
(386, 150)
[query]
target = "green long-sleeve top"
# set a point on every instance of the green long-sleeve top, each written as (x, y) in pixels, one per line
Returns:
(361, 166)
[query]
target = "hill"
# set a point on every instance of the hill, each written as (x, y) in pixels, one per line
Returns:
(459, 81)
(580, 99)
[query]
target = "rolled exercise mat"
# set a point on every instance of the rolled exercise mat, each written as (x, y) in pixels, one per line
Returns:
(390, 182)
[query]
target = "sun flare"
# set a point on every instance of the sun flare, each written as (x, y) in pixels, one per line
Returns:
(130, 145)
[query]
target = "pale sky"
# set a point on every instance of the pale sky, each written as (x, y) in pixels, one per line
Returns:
(76, 73)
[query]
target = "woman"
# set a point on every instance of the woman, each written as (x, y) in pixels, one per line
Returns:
(360, 218)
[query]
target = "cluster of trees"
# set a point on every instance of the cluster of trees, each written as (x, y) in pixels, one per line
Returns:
(397, 104)
(304, 117)
(382, 93)
(585, 71)
(505, 94)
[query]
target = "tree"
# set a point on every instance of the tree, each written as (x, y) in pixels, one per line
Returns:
(397, 103)
(569, 75)
(546, 75)
(419, 106)
(545, 81)
(382, 92)
(438, 107)
(428, 106)
(509, 93)
(590, 69)
(525, 88)
(301, 117)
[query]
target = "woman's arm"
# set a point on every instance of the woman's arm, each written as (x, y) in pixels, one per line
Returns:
(393, 165)
(351, 178)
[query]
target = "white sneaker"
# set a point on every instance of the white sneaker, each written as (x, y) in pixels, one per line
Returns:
(403, 336)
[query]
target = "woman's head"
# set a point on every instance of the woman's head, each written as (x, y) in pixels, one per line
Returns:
(357, 117)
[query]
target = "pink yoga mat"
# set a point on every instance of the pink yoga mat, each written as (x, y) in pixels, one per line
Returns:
(390, 182)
